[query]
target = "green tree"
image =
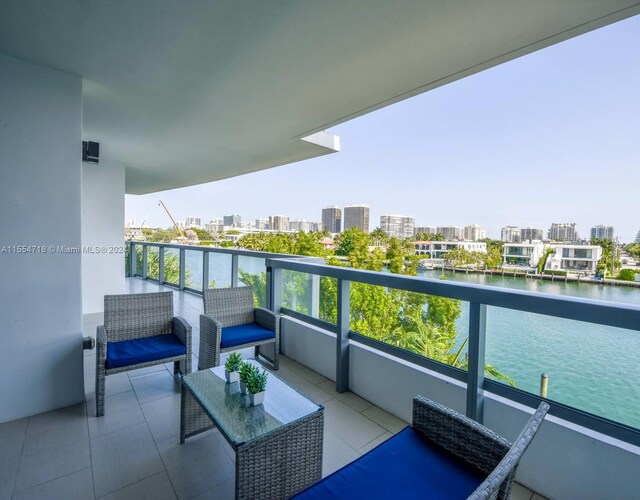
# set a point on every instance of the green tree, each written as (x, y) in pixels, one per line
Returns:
(378, 237)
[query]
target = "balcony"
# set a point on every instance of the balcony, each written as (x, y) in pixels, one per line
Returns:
(134, 451)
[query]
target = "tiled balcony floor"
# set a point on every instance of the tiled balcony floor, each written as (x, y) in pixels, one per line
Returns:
(133, 452)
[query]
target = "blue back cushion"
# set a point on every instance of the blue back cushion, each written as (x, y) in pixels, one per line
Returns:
(133, 352)
(406, 466)
(245, 334)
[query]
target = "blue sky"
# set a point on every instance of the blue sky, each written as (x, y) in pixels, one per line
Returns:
(550, 137)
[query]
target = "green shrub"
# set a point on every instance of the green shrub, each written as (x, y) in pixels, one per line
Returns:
(627, 275)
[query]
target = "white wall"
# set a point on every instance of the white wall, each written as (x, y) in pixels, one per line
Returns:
(102, 228)
(40, 204)
(564, 461)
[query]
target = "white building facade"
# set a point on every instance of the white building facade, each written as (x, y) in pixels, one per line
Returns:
(398, 226)
(510, 234)
(522, 254)
(436, 250)
(474, 232)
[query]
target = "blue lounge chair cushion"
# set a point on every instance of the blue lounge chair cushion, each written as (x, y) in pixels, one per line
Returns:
(133, 352)
(245, 334)
(405, 466)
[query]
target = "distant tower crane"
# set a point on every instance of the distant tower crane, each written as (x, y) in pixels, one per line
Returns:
(180, 232)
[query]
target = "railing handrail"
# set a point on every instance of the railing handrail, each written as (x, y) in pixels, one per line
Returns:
(600, 312)
(223, 250)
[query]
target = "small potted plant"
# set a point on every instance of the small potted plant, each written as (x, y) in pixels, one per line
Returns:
(246, 370)
(231, 367)
(256, 385)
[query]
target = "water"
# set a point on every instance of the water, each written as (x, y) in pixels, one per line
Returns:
(591, 367)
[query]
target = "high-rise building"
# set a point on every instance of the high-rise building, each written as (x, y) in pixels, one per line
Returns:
(192, 222)
(215, 224)
(398, 226)
(510, 234)
(356, 216)
(425, 230)
(332, 219)
(474, 233)
(450, 233)
(232, 220)
(563, 232)
(304, 225)
(531, 234)
(638, 237)
(602, 232)
(278, 222)
(261, 224)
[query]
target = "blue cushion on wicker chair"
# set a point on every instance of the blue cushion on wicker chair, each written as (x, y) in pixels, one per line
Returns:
(407, 465)
(245, 334)
(136, 351)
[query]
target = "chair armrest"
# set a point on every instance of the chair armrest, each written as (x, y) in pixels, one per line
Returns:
(210, 337)
(504, 473)
(459, 435)
(182, 330)
(101, 347)
(267, 319)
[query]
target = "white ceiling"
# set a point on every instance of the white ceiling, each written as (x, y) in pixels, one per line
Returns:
(185, 92)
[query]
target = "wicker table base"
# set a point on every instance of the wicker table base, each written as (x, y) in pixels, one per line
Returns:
(275, 465)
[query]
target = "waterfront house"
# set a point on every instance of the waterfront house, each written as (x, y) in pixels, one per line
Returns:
(436, 250)
(574, 258)
(520, 255)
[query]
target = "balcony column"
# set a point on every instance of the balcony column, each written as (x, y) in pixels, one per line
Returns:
(342, 340)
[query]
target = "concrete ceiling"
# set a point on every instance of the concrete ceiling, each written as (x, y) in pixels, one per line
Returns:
(186, 92)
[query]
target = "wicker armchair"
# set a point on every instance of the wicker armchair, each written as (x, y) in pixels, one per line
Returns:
(139, 330)
(477, 445)
(231, 322)
(443, 455)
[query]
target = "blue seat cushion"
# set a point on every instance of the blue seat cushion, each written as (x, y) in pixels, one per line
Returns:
(407, 465)
(245, 334)
(133, 352)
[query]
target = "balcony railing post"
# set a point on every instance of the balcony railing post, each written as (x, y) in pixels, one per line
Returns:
(476, 352)
(145, 261)
(183, 266)
(132, 260)
(234, 270)
(314, 285)
(342, 340)
(205, 270)
(274, 289)
(161, 265)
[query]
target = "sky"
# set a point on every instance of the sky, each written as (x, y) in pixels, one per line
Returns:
(553, 136)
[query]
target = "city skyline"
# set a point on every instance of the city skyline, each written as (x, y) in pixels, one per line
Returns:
(528, 143)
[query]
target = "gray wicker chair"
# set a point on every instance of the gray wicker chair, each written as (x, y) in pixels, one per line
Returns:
(476, 444)
(475, 457)
(232, 307)
(145, 317)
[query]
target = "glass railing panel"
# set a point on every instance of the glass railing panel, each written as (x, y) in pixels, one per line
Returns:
(252, 272)
(591, 367)
(303, 293)
(153, 262)
(172, 266)
(193, 269)
(219, 270)
(426, 325)
(139, 263)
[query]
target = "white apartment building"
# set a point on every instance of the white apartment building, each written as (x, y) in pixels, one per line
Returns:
(522, 254)
(305, 225)
(602, 232)
(510, 234)
(279, 223)
(531, 234)
(474, 232)
(450, 232)
(193, 222)
(398, 226)
(425, 230)
(437, 249)
(580, 258)
(565, 231)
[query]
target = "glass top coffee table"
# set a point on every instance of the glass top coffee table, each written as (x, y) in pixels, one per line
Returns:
(278, 443)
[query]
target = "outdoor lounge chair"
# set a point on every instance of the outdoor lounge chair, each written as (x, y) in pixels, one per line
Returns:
(442, 455)
(139, 330)
(231, 322)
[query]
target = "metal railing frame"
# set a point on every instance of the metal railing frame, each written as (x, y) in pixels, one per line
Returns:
(479, 298)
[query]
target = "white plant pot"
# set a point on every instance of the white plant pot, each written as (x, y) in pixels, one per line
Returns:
(256, 399)
(231, 376)
(243, 388)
